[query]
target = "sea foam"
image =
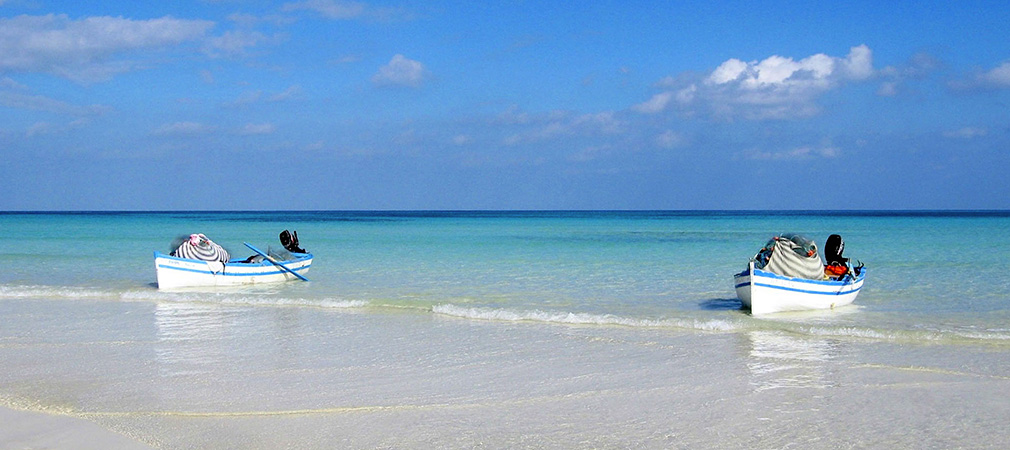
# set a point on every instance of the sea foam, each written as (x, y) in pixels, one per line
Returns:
(574, 318)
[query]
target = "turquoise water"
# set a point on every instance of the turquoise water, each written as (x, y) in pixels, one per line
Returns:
(509, 330)
(931, 275)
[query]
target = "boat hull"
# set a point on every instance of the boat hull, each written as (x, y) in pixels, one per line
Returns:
(179, 272)
(765, 292)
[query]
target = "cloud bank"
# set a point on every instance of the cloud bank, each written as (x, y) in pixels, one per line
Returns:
(774, 88)
(995, 78)
(86, 50)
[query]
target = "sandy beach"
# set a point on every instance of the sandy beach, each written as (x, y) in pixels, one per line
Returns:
(526, 331)
(35, 430)
(283, 377)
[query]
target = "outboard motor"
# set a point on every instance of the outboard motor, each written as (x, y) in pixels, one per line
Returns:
(833, 249)
(290, 242)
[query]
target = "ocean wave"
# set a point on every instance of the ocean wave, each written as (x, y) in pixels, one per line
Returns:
(574, 318)
(154, 295)
(58, 292)
(242, 299)
(938, 336)
(316, 303)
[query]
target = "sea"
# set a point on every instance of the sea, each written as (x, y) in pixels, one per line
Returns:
(509, 329)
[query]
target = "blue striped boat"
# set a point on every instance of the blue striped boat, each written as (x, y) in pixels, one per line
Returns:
(766, 292)
(174, 272)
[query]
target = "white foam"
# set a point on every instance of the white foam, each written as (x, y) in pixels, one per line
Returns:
(573, 318)
(28, 291)
(936, 336)
(231, 298)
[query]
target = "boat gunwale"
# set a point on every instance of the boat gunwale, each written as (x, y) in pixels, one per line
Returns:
(239, 263)
(826, 283)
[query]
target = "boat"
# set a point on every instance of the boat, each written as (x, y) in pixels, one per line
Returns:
(175, 271)
(788, 275)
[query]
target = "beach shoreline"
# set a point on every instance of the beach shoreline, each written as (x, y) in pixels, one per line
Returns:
(37, 430)
(603, 330)
(210, 376)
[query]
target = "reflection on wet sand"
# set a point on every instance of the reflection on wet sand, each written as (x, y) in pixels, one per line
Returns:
(190, 336)
(778, 360)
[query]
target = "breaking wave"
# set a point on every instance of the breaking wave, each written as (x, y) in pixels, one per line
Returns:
(58, 292)
(971, 334)
(247, 300)
(944, 336)
(142, 295)
(573, 318)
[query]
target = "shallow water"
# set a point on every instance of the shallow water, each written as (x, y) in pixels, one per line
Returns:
(462, 330)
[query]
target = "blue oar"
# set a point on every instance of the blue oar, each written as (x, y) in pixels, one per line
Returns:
(278, 264)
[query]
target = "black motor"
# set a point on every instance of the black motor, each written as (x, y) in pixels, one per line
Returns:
(290, 242)
(833, 249)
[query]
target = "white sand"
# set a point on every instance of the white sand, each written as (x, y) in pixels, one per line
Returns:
(33, 430)
(205, 376)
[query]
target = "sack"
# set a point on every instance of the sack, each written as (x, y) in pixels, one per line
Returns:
(792, 255)
(199, 247)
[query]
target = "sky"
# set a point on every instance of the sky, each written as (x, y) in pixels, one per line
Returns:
(459, 105)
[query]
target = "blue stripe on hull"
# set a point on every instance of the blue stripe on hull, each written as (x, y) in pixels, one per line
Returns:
(804, 291)
(228, 274)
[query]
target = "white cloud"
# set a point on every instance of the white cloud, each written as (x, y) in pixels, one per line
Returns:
(563, 124)
(655, 104)
(996, 78)
(249, 20)
(918, 67)
(731, 70)
(513, 116)
(999, 76)
(258, 95)
(8, 83)
(15, 95)
(400, 71)
(798, 153)
(85, 50)
(775, 87)
(858, 65)
(330, 9)
(183, 129)
(347, 59)
(966, 133)
(287, 94)
(235, 43)
(247, 98)
(346, 10)
(38, 128)
(888, 89)
(670, 139)
(257, 128)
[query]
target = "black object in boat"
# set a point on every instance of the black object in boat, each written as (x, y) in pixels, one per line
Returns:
(290, 242)
(833, 249)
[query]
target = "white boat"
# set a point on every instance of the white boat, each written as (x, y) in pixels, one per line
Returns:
(766, 292)
(176, 272)
(789, 275)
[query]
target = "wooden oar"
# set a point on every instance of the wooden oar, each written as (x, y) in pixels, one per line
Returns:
(276, 263)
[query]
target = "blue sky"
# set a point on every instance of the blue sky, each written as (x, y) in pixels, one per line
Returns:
(328, 104)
